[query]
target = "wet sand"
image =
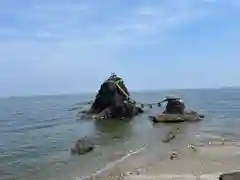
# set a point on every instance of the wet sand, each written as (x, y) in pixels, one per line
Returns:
(205, 163)
(191, 162)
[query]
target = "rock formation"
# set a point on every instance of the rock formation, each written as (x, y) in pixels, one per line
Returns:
(113, 101)
(230, 176)
(82, 146)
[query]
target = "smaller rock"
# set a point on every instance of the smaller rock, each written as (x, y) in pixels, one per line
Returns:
(192, 147)
(173, 156)
(230, 176)
(137, 171)
(169, 137)
(201, 116)
(128, 173)
(82, 146)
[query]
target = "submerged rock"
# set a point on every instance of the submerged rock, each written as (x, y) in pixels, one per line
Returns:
(82, 146)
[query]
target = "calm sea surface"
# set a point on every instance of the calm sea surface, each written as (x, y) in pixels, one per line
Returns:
(37, 132)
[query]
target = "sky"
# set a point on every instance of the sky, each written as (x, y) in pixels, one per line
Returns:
(71, 46)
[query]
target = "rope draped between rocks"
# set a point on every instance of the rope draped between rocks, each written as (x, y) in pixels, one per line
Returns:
(131, 100)
(142, 105)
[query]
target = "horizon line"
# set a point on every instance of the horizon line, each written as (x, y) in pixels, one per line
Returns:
(131, 91)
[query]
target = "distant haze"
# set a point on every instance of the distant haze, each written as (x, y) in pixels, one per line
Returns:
(68, 46)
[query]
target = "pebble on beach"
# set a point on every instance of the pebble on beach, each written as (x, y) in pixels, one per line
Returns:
(174, 156)
(192, 147)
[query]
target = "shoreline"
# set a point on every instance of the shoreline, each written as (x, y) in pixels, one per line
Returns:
(207, 162)
(111, 165)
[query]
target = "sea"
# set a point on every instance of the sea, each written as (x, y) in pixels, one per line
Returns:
(36, 132)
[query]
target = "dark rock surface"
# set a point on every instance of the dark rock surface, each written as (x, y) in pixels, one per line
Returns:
(188, 116)
(113, 101)
(82, 146)
(230, 176)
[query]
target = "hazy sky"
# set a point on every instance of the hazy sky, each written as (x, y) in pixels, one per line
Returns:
(69, 46)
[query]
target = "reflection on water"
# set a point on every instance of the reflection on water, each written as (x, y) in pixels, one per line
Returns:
(114, 128)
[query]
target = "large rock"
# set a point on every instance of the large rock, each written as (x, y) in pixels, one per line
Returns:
(230, 176)
(113, 101)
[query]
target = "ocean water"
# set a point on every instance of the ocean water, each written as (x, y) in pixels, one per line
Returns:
(36, 133)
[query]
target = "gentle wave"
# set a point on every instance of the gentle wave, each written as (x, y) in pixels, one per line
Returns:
(112, 164)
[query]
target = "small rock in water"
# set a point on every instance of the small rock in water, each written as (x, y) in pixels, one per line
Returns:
(19, 113)
(138, 171)
(170, 136)
(82, 146)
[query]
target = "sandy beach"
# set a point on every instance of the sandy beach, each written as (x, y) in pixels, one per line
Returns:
(205, 162)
